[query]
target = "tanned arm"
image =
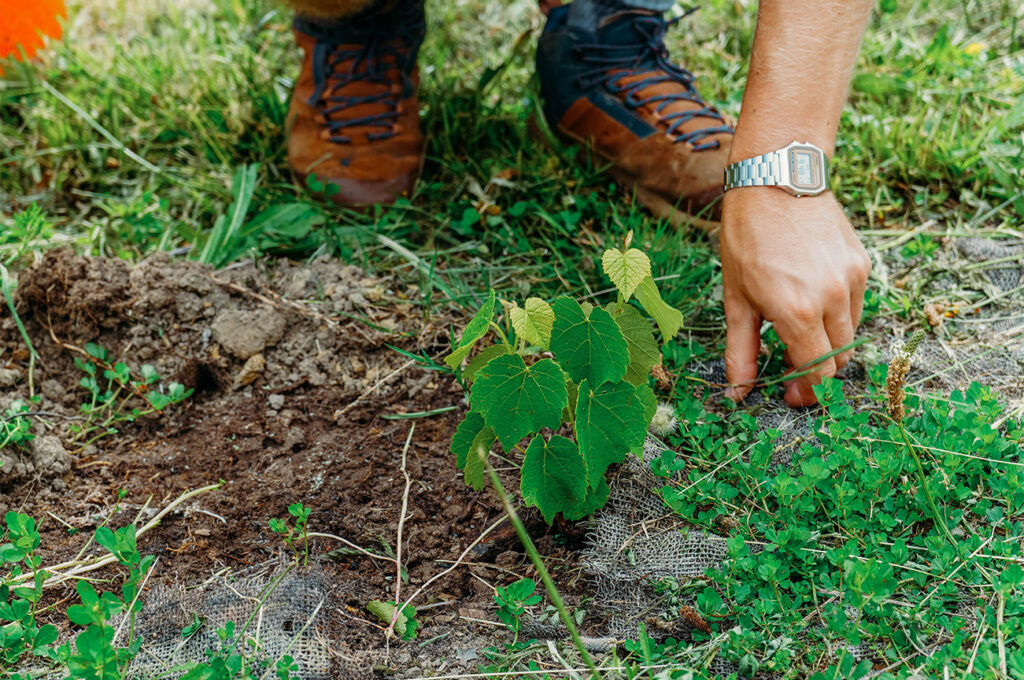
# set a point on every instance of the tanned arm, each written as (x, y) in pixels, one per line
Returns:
(793, 261)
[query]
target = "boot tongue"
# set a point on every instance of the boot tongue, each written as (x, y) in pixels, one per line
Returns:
(619, 30)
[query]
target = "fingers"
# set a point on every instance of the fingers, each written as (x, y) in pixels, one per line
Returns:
(840, 331)
(856, 307)
(806, 340)
(742, 342)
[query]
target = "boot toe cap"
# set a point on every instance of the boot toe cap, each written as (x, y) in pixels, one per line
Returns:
(358, 192)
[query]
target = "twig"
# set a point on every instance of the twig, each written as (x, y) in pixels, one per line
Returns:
(317, 534)
(457, 561)
(974, 652)
(399, 606)
(553, 651)
(138, 591)
(49, 414)
(79, 566)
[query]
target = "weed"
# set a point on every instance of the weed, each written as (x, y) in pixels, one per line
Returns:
(294, 533)
(117, 395)
(21, 635)
(92, 654)
(512, 601)
(405, 623)
(29, 229)
(15, 427)
(843, 529)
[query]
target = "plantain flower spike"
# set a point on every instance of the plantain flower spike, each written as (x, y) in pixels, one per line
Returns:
(899, 367)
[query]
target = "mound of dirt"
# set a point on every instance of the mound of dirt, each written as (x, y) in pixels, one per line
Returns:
(297, 399)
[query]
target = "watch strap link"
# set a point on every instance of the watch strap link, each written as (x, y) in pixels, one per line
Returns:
(759, 171)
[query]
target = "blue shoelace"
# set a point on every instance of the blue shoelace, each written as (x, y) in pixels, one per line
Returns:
(629, 60)
(397, 47)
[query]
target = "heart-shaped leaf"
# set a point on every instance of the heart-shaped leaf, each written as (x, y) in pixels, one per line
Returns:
(626, 269)
(609, 424)
(588, 343)
(554, 476)
(533, 322)
(639, 335)
(516, 400)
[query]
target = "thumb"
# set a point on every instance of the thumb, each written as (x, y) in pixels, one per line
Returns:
(742, 343)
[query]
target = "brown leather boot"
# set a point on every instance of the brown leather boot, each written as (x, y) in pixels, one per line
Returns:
(611, 87)
(354, 115)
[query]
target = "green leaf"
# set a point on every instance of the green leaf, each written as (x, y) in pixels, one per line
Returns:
(405, 624)
(626, 269)
(479, 449)
(475, 329)
(46, 636)
(481, 359)
(650, 402)
(520, 590)
(643, 348)
(595, 499)
(669, 319)
(516, 400)
(411, 624)
(464, 435)
(609, 424)
(589, 345)
(554, 476)
(533, 323)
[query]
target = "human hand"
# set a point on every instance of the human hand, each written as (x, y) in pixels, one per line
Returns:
(797, 263)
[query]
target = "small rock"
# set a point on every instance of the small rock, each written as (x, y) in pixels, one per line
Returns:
(245, 333)
(9, 376)
(300, 284)
(50, 455)
(53, 390)
(276, 401)
(467, 654)
(251, 370)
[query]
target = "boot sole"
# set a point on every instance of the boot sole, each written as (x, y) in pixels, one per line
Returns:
(657, 204)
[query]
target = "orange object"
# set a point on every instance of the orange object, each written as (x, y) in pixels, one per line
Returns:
(23, 23)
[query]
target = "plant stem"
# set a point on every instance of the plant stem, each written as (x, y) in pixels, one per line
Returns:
(538, 564)
(924, 486)
(501, 333)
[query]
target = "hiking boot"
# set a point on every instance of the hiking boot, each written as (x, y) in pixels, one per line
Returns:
(611, 87)
(354, 115)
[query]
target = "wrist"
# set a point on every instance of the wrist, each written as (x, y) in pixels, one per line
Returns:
(764, 139)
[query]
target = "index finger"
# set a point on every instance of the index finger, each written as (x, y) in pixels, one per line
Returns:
(806, 344)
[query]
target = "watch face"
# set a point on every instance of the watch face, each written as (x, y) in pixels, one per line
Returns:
(805, 171)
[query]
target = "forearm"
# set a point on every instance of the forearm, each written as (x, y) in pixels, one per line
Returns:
(800, 68)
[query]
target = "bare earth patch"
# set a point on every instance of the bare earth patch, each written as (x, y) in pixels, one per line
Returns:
(291, 377)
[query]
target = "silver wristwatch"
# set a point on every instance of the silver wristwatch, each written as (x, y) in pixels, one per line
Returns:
(799, 168)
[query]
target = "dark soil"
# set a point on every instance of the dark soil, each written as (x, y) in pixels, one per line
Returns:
(290, 372)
